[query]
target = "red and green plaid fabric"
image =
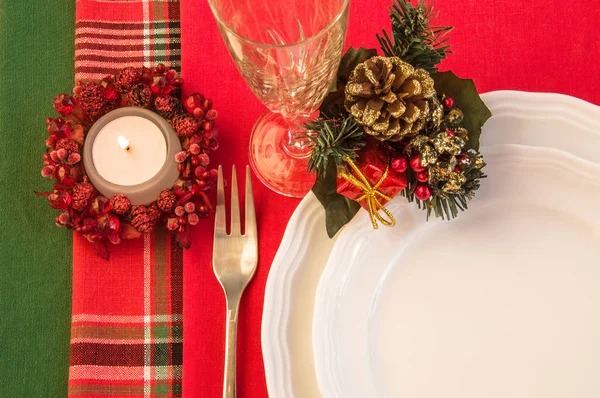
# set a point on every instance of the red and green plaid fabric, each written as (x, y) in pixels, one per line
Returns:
(127, 314)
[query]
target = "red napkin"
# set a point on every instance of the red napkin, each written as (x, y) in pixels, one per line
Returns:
(127, 325)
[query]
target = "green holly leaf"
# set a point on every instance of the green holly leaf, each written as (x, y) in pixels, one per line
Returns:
(349, 61)
(339, 210)
(465, 96)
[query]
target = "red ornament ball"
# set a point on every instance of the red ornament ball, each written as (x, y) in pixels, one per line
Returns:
(399, 164)
(448, 102)
(415, 164)
(422, 176)
(120, 203)
(422, 192)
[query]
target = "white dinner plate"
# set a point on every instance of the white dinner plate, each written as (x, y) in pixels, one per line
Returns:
(502, 301)
(535, 119)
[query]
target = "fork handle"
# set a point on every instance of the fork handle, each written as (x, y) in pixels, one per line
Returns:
(230, 349)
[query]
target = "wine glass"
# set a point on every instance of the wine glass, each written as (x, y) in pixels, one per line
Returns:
(288, 51)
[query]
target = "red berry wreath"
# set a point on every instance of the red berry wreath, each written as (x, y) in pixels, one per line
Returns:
(101, 219)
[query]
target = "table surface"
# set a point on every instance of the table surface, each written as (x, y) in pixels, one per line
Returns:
(545, 45)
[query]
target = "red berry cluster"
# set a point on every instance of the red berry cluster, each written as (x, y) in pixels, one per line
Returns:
(102, 219)
(401, 163)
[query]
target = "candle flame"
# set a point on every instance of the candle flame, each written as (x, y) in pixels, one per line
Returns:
(123, 142)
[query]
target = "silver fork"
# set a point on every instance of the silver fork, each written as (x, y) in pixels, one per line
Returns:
(234, 261)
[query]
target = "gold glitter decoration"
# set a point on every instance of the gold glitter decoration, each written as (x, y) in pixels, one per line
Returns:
(478, 162)
(462, 133)
(371, 195)
(444, 142)
(454, 117)
(454, 183)
(391, 99)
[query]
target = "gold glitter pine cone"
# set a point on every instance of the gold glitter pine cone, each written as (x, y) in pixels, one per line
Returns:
(389, 97)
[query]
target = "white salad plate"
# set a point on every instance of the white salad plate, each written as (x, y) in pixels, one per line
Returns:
(530, 119)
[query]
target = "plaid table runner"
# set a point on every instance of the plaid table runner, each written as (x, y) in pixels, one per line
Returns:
(127, 323)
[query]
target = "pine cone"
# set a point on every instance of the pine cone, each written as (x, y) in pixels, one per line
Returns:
(143, 218)
(185, 125)
(140, 96)
(120, 203)
(167, 106)
(127, 78)
(92, 99)
(166, 200)
(83, 192)
(389, 97)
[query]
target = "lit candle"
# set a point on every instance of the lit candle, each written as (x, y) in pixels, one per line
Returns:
(131, 151)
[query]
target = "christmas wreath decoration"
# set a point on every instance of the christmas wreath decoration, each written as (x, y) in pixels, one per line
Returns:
(395, 125)
(103, 219)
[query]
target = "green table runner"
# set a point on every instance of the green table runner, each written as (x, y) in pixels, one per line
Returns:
(36, 43)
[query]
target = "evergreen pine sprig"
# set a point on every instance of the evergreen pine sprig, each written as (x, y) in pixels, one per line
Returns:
(335, 138)
(413, 39)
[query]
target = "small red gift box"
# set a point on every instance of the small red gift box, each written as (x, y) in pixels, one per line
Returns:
(372, 162)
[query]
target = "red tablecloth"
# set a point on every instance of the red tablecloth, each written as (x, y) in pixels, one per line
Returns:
(539, 45)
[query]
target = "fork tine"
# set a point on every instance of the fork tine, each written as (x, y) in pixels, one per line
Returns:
(220, 226)
(235, 204)
(250, 214)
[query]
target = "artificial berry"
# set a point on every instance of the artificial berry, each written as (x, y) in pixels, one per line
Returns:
(422, 176)
(160, 69)
(415, 163)
(73, 158)
(193, 218)
(457, 169)
(170, 75)
(195, 149)
(204, 159)
(172, 223)
(181, 156)
(179, 211)
(199, 171)
(194, 101)
(211, 115)
(62, 154)
(189, 207)
(399, 164)
(48, 172)
(422, 192)
(448, 102)
(198, 113)
(450, 133)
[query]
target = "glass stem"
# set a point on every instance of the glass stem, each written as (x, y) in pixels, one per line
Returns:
(296, 142)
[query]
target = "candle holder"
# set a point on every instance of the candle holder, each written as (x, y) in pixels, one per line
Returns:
(144, 192)
(145, 157)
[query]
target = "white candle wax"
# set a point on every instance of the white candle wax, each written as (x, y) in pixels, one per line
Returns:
(143, 159)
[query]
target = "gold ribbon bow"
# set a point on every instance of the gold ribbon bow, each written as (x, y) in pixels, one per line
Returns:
(371, 194)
